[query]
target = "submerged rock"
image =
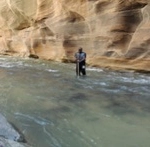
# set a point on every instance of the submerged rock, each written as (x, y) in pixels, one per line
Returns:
(9, 137)
(7, 131)
(10, 143)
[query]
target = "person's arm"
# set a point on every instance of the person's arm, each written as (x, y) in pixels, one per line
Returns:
(76, 57)
(84, 57)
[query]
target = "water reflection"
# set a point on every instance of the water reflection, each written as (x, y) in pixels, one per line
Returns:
(54, 108)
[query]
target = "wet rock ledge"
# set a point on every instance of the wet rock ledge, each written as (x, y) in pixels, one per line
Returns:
(9, 137)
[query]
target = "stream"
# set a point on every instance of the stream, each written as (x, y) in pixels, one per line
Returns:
(54, 108)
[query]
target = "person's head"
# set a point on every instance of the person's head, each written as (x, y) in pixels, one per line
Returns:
(80, 50)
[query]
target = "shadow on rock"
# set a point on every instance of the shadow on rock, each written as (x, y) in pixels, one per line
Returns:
(22, 137)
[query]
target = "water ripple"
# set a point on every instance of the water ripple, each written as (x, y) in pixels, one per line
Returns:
(40, 121)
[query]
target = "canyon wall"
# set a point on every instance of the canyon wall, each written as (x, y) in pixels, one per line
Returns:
(114, 33)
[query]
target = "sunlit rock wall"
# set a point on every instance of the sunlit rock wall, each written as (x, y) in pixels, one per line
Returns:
(114, 33)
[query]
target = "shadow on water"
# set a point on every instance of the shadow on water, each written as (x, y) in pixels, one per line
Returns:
(78, 97)
(126, 103)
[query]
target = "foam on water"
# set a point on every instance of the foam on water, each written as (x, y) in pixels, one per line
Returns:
(52, 70)
(94, 69)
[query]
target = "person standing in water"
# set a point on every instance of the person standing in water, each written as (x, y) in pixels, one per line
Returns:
(80, 62)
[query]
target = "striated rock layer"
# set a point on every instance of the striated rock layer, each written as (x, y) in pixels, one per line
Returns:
(114, 33)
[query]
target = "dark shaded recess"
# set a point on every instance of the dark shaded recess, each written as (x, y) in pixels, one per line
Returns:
(132, 18)
(127, 5)
(147, 41)
(43, 4)
(46, 32)
(10, 51)
(121, 39)
(130, 21)
(23, 25)
(121, 29)
(69, 43)
(36, 43)
(22, 137)
(33, 56)
(135, 52)
(143, 72)
(109, 53)
(41, 20)
(101, 6)
(74, 17)
(145, 44)
(78, 97)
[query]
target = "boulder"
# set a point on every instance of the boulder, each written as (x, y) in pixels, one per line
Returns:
(9, 137)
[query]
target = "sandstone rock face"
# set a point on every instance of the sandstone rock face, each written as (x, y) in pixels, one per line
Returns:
(114, 33)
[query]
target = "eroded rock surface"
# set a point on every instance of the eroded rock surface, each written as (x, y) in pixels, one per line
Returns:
(114, 33)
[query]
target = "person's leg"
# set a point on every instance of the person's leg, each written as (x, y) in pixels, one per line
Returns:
(77, 69)
(83, 69)
(83, 72)
(80, 68)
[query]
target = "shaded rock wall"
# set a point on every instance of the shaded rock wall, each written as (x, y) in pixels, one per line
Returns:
(114, 33)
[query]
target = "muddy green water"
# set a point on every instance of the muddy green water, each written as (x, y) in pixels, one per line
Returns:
(54, 108)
